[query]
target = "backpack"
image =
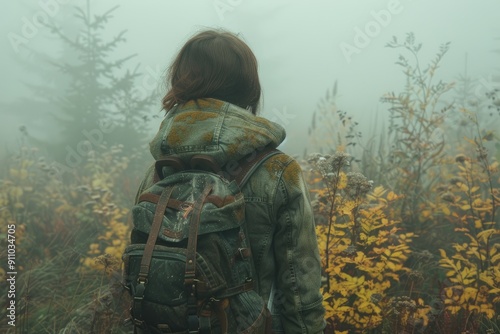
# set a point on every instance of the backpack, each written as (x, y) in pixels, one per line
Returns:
(189, 267)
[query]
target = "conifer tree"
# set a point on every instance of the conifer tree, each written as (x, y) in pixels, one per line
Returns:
(102, 105)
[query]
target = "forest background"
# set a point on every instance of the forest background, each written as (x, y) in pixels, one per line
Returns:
(406, 205)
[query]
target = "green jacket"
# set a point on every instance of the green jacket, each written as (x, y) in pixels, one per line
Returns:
(278, 212)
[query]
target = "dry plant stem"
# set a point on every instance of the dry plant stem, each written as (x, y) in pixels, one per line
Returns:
(469, 194)
(473, 215)
(356, 227)
(466, 322)
(327, 255)
(486, 167)
(423, 110)
(332, 193)
(411, 289)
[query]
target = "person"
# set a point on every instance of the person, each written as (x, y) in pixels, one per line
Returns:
(211, 108)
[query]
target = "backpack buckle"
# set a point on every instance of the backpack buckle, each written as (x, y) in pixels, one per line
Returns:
(139, 291)
(193, 324)
(138, 323)
(244, 253)
(142, 281)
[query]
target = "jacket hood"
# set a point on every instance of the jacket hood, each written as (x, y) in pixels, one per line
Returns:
(215, 128)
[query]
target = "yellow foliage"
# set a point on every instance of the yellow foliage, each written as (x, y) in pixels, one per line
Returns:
(467, 269)
(51, 211)
(113, 240)
(364, 252)
(471, 268)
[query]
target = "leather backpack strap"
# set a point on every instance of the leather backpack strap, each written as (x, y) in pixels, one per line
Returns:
(250, 164)
(190, 271)
(142, 278)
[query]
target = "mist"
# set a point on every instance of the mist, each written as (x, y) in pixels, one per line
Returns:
(405, 92)
(302, 49)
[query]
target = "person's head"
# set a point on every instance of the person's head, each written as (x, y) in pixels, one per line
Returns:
(214, 64)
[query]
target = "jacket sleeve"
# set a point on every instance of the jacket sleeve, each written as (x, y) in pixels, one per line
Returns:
(298, 279)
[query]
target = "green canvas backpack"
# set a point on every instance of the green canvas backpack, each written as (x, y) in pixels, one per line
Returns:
(189, 267)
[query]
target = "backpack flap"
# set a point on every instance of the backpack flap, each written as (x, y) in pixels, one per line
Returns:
(224, 208)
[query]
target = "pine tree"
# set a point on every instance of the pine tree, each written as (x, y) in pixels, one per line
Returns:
(102, 105)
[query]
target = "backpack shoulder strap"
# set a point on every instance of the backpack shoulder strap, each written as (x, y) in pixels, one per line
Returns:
(251, 162)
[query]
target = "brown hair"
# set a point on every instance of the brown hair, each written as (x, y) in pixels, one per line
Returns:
(214, 64)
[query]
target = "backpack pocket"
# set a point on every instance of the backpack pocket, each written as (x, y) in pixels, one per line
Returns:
(164, 299)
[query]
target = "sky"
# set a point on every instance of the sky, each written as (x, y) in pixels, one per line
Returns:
(303, 48)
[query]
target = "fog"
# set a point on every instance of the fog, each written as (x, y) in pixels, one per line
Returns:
(408, 233)
(303, 48)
